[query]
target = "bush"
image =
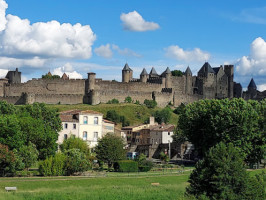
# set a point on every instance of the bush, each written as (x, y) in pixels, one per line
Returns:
(45, 167)
(75, 162)
(58, 164)
(150, 103)
(145, 166)
(7, 160)
(75, 143)
(126, 166)
(128, 99)
(137, 102)
(113, 101)
(113, 116)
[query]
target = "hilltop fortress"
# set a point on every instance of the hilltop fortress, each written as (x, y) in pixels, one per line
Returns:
(209, 83)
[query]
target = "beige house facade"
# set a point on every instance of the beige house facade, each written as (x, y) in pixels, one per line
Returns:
(87, 125)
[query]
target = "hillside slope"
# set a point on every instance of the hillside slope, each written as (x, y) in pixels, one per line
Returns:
(136, 114)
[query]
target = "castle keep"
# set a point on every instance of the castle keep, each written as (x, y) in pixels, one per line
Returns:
(209, 83)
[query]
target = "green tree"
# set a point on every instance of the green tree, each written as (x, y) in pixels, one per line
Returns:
(177, 73)
(75, 161)
(47, 124)
(7, 160)
(150, 103)
(10, 132)
(110, 149)
(113, 101)
(75, 143)
(163, 115)
(164, 157)
(221, 175)
(6, 108)
(207, 122)
(113, 116)
(128, 99)
(28, 154)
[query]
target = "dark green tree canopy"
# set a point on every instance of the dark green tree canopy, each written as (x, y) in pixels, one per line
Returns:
(177, 73)
(221, 175)
(207, 122)
(110, 149)
(75, 143)
(163, 116)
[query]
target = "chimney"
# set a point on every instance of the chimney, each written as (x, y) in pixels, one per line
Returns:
(151, 120)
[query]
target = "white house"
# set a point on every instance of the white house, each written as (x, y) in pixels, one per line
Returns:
(87, 125)
(162, 134)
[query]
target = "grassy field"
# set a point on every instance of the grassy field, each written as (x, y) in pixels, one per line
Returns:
(122, 188)
(136, 114)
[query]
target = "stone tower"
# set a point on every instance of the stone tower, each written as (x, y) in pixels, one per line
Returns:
(91, 81)
(14, 76)
(153, 73)
(252, 89)
(144, 76)
(127, 74)
(188, 75)
(229, 71)
(168, 78)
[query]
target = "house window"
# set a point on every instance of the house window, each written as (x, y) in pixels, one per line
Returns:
(168, 133)
(95, 120)
(85, 134)
(65, 136)
(74, 126)
(95, 136)
(65, 125)
(85, 120)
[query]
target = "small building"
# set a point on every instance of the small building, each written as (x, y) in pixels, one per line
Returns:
(162, 134)
(87, 125)
(108, 127)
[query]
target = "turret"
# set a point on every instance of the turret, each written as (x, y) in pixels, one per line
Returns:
(252, 88)
(14, 76)
(229, 71)
(91, 81)
(153, 73)
(144, 76)
(168, 78)
(188, 75)
(127, 74)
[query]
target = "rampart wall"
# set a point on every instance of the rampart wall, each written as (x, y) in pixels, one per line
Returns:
(178, 84)
(42, 86)
(184, 98)
(131, 86)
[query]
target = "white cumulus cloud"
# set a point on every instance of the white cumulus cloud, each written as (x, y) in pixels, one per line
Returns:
(18, 37)
(133, 21)
(262, 87)
(125, 51)
(68, 69)
(104, 51)
(178, 53)
(255, 63)
(3, 73)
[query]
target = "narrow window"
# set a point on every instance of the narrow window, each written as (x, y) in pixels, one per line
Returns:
(65, 125)
(74, 126)
(95, 120)
(85, 135)
(95, 136)
(65, 136)
(168, 133)
(85, 120)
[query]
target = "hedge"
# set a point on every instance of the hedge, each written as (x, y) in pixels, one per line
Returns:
(126, 166)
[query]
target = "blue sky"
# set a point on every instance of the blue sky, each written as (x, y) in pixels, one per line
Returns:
(38, 36)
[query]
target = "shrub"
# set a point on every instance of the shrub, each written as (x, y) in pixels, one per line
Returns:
(137, 102)
(150, 103)
(113, 101)
(75, 162)
(126, 166)
(58, 164)
(128, 99)
(145, 166)
(75, 143)
(45, 167)
(7, 160)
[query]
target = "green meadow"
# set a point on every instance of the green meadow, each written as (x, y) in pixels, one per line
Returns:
(76, 188)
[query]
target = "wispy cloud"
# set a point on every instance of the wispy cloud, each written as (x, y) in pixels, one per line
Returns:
(251, 15)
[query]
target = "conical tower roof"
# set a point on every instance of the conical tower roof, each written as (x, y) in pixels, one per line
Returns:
(126, 68)
(252, 84)
(153, 72)
(206, 68)
(188, 70)
(144, 72)
(167, 71)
